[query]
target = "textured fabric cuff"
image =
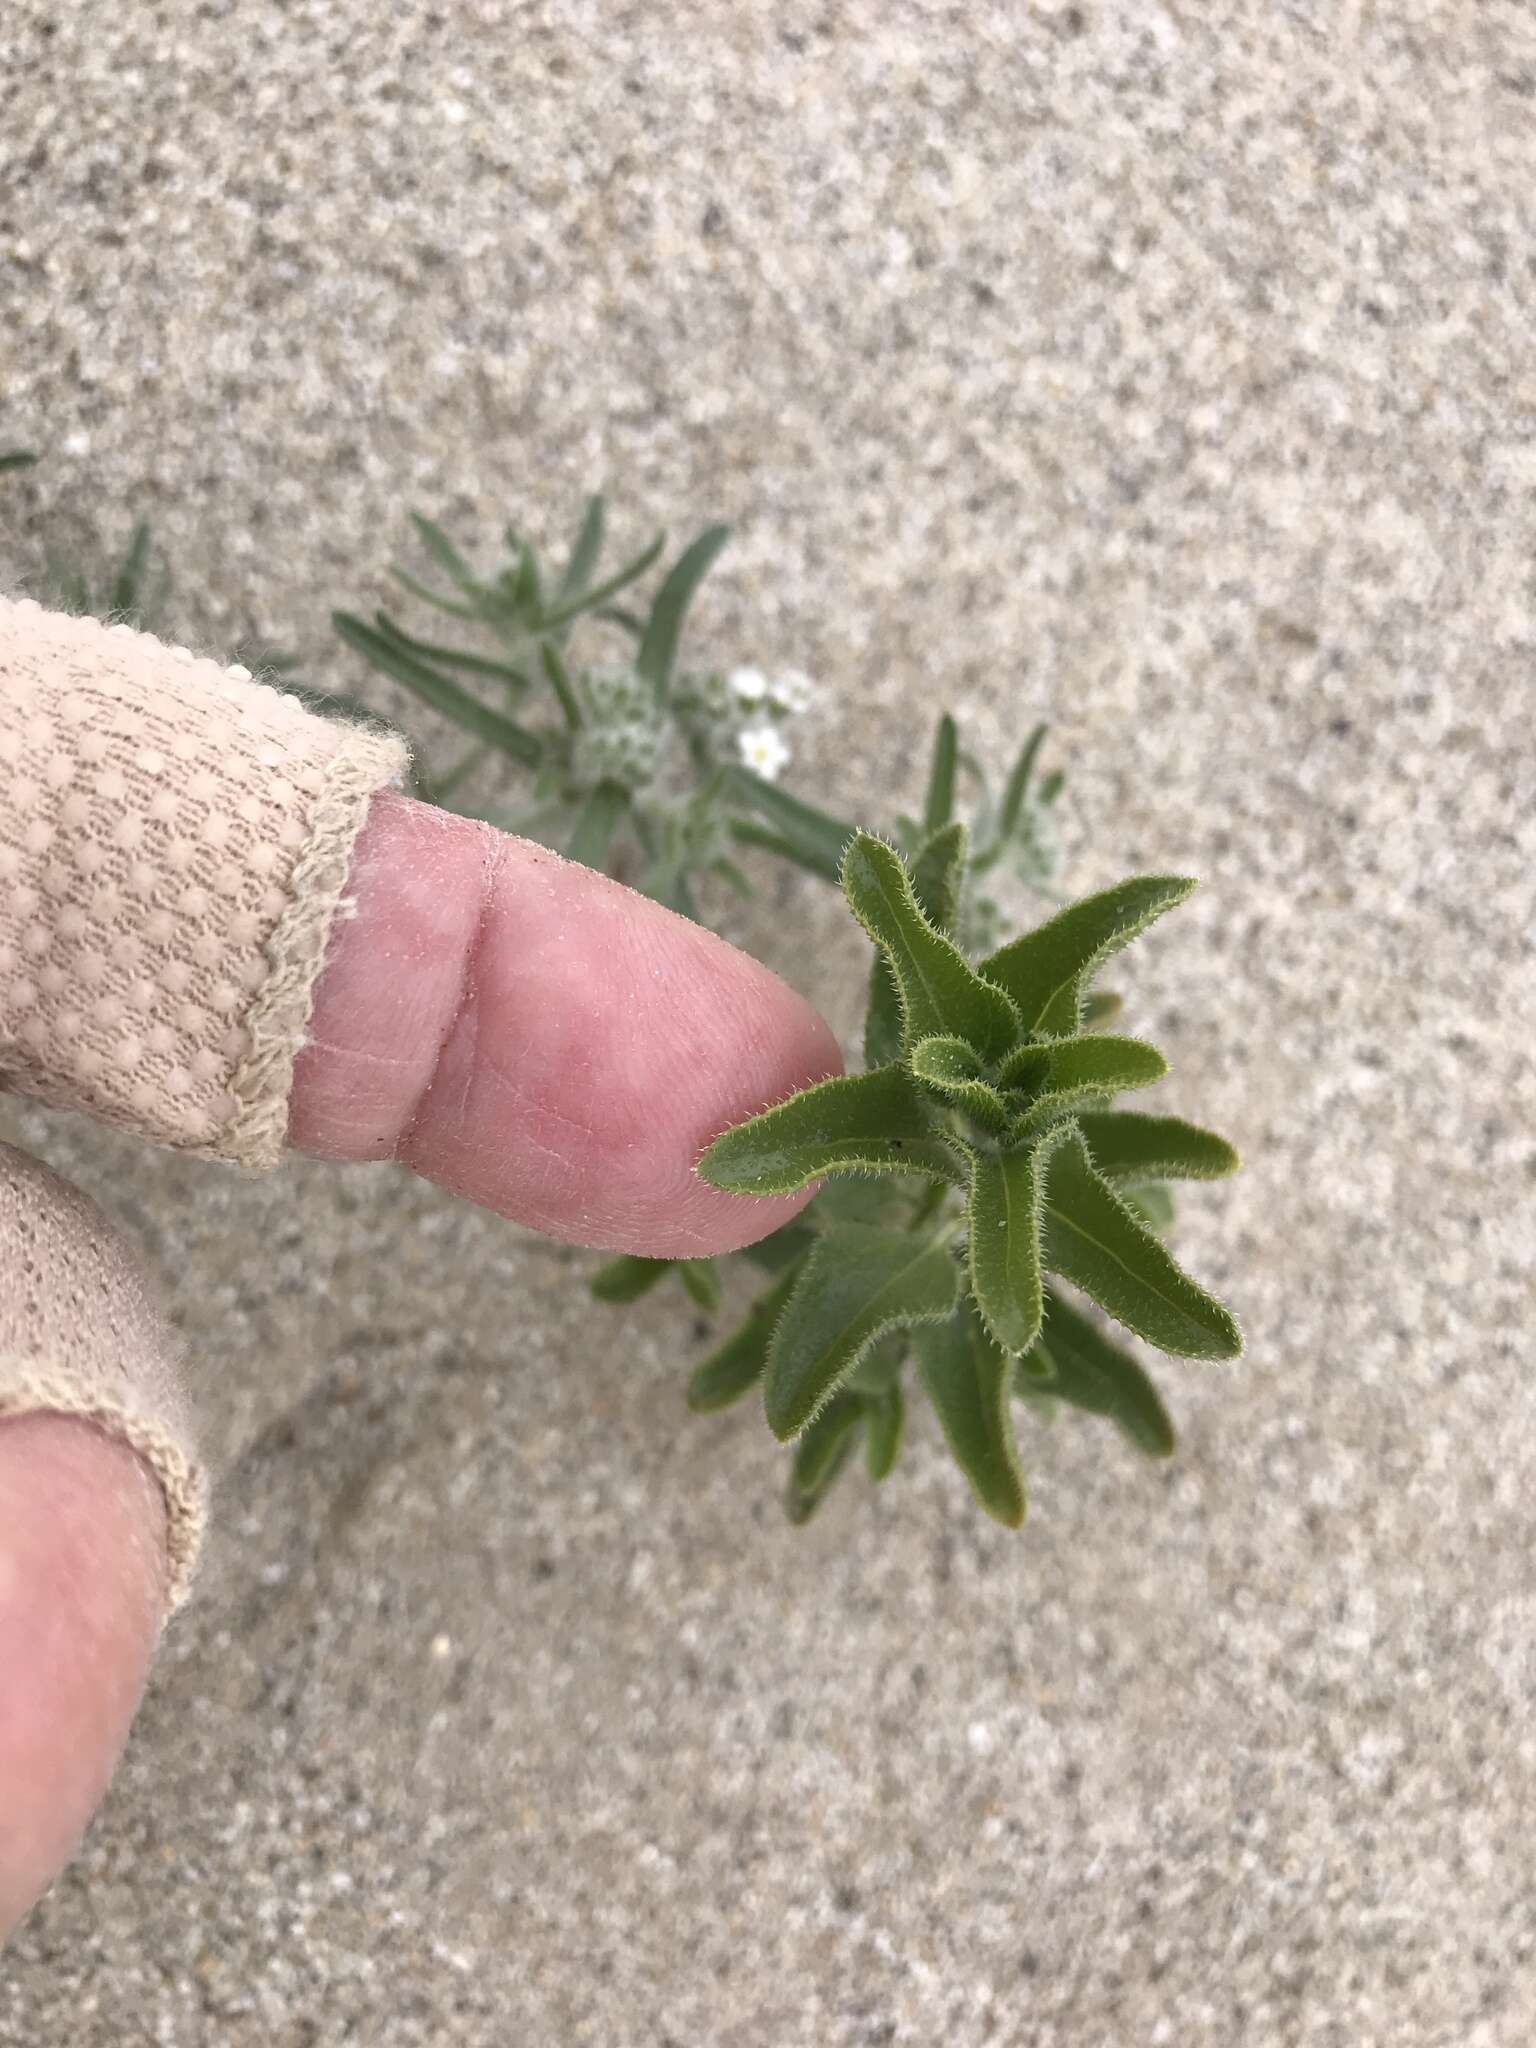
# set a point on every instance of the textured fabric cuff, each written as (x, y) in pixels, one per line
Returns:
(175, 840)
(80, 1336)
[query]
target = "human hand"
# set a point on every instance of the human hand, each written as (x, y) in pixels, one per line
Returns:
(517, 1029)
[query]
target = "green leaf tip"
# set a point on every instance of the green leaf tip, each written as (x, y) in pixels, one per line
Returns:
(940, 993)
(1047, 970)
(1093, 1239)
(857, 1285)
(874, 1122)
(969, 1381)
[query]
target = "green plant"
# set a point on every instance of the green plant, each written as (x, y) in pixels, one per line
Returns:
(649, 767)
(977, 1155)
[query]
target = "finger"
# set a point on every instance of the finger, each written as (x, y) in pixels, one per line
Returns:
(82, 1592)
(532, 1035)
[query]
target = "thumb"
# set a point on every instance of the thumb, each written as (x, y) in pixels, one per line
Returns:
(101, 1504)
(82, 1592)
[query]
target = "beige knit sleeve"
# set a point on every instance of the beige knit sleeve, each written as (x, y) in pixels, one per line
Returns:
(174, 846)
(81, 1335)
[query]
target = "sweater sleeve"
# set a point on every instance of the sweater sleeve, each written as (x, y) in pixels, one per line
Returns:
(174, 845)
(175, 840)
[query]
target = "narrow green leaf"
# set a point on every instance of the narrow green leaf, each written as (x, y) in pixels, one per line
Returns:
(1091, 1373)
(1018, 783)
(1099, 1006)
(802, 833)
(784, 1247)
(885, 1416)
(1050, 789)
(1090, 1069)
(446, 555)
(584, 554)
(701, 1283)
(560, 682)
(591, 600)
(953, 1070)
(856, 1285)
(940, 805)
(627, 1277)
(1128, 1147)
(968, 1380)
(736, 1366)
(1093, 1240)
(440, 691)
(595, 823)
(938, 874)
(821, 1455)
(453, 606)
(941, 994)
(882, 1015)
(126, 583)
(1047, 969)
(455, 657)
(1004, 1217)
(875, 1121)
(16, 458)
(658, 645)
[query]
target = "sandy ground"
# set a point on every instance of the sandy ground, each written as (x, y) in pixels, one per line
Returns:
(1165, 369)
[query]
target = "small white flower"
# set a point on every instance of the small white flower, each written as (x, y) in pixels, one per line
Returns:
(793, 691)
(747, 685)
(763, 750)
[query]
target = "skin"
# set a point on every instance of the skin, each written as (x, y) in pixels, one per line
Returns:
(523, 1032)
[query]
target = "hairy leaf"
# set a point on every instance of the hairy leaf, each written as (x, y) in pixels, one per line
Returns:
(940, 805)
(954, 1071)
(785, 1247)
(941, 994)
(1094, 1240)
(658, 645)
(969, 1380)
(1091, 1373)
(1047, 969)
(1004, 1216)
(1091, 1069)
(627, 1277)
(882, 1015)
(938, 874)
(701, 1283)
(1126, 1146)
(736, 1366)
(857, 1285)
(885, 1417)
(868, 1121)
(821, 1455)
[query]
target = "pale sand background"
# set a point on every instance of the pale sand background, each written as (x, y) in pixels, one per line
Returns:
(1164, 367)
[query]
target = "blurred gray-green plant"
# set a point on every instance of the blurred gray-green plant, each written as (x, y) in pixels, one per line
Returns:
(632, 758)
(635, 759)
